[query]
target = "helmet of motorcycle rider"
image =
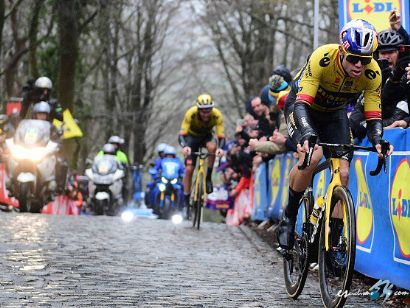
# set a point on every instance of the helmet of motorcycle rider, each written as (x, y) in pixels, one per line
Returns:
(43, 83)
(170, 150)
(115, 140)
(161, 147)
(389, 40)
(41, 110)
(109, 149)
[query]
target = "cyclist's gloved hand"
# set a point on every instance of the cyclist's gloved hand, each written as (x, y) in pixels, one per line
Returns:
(186, 151)
(384, 148)
(308, 141)
(219, 152)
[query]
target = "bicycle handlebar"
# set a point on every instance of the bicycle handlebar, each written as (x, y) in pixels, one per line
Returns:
(201, 154)
(349, 148)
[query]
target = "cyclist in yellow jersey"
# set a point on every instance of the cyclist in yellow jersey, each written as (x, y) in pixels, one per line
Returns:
(315, 108)
(197, 131)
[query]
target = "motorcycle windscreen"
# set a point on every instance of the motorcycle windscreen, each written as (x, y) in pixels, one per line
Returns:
(105, 164)
(32, 133)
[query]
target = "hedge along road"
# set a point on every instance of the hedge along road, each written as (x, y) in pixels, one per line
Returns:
(103, 261)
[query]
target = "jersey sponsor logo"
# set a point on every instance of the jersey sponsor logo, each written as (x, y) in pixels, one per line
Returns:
(400, 211)
(364, 214)
(370, 74)
(330, 100)
(348, 83)
(304, 122)
(325, 60)
(375, 12)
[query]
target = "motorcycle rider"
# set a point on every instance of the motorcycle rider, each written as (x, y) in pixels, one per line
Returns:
(171, 161)
(160, 150)
(122, 158)
(170, 154)
(41, 111)
(153, 171)
(40, 91)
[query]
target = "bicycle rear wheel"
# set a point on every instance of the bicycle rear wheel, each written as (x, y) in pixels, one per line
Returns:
(198, 203)
(336, 265)
(296, 261)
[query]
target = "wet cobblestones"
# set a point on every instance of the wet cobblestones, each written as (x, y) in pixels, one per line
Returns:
(80, 261)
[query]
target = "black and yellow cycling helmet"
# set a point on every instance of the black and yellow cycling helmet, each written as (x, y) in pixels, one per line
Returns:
(204, 101)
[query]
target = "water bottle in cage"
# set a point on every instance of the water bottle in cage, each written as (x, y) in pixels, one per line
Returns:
(317, 210)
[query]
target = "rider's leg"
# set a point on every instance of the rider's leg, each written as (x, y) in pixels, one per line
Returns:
(298, 181)
(187, 181)
(211, 147)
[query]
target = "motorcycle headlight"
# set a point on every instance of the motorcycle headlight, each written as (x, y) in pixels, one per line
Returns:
(33, 154)
(161, 187)
(103, 168)
(174, 181)
(164, 180)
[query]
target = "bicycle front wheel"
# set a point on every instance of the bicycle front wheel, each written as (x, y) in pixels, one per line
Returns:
(296, 261)
(198, 203)
(337, 264)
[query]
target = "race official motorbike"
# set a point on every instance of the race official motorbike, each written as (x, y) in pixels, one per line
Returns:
(105, 186)
(31, 165)
(168, 190)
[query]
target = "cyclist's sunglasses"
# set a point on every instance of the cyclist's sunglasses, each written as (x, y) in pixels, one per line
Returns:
(354, 59)
(205, 110)
(365, 60)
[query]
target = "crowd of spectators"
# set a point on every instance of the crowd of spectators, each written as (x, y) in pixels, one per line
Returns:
(262, 133)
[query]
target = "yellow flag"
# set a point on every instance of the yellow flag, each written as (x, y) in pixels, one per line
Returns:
(71, 128)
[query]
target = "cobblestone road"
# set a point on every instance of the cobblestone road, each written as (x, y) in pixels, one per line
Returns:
(101, 261)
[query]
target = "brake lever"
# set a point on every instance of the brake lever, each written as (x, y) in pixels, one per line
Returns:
(382, 158)
(308, 156)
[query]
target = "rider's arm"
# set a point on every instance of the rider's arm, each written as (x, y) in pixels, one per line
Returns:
(372, 106)
(183, 132)
(405, 35)
(308, 85)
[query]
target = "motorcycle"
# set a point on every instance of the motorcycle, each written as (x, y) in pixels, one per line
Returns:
(151, 187)
(105, 186)
(168, 190)
(31, 165)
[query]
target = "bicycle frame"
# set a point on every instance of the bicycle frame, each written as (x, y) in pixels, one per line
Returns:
(334, 164)
(200, 172)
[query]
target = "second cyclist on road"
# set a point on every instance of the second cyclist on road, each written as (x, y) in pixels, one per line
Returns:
(197, 131)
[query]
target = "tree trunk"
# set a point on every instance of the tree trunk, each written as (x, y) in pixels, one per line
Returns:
(68, 39)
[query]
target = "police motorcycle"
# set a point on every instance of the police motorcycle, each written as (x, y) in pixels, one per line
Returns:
(106, 181)
(32, 161)
(153, 172)
(169, 188)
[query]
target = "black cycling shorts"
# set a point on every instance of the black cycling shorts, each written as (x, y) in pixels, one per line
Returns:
(195, 142)
(331, 127)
